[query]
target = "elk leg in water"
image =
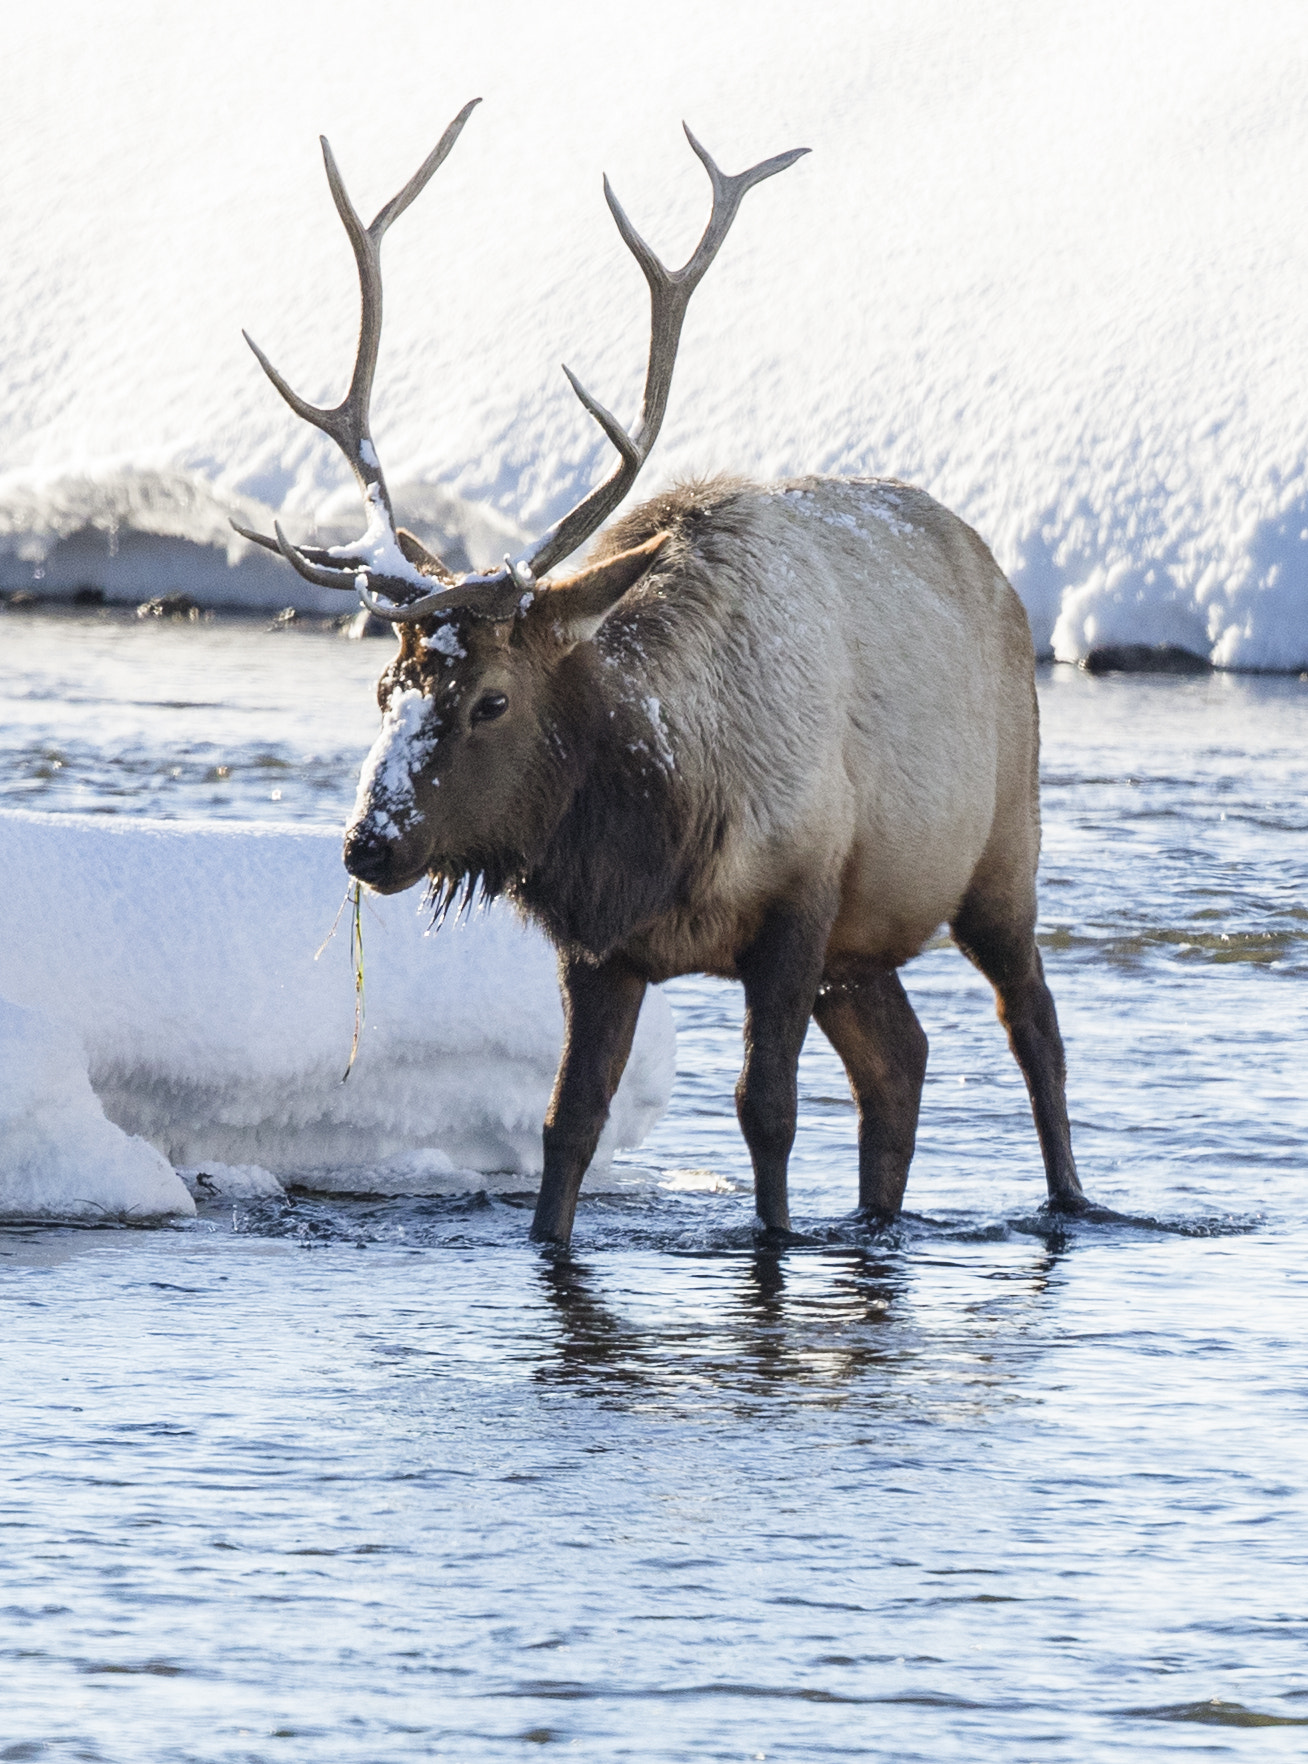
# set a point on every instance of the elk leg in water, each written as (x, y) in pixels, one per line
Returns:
(1011, 963)
(864, 1012)
(601, 1002)
(781, 971)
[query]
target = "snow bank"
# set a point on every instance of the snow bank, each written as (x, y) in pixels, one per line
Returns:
(59, 1157)
(1042, 260)
(135, 532)
(182, 959)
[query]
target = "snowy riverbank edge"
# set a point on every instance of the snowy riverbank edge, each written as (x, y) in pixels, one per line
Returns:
(164, 1008)
(130, 538)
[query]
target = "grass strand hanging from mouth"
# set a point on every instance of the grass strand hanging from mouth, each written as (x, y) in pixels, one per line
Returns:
(356, 962)
(353, 900)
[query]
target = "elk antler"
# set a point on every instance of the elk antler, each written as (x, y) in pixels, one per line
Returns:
(384, 560)
(382, 557)
(669, 294)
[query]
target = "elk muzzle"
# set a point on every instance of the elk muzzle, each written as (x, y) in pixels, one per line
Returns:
(371, 858)
(387, 841)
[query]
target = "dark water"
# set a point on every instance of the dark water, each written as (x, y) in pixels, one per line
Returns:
(320, 1480)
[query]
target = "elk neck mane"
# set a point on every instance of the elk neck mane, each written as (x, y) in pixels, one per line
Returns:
(620, 818)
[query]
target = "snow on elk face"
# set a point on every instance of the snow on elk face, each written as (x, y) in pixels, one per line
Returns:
(442, 788)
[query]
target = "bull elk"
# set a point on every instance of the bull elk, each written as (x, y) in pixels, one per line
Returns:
(778, 733)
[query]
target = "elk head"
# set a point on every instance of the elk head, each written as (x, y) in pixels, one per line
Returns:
(468, 773)
(483, 727)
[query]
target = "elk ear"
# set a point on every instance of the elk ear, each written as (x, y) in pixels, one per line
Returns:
(416, 553)
(579, 604)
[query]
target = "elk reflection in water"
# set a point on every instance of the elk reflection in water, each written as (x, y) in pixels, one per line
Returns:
(757, 1329)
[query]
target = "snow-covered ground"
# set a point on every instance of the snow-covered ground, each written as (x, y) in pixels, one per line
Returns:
(162, 1005)
(1047, 261)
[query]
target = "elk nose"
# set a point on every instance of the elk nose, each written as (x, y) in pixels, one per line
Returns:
(367, 854)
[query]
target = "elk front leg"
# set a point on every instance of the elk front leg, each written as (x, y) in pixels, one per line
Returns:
(781, 971)
(601, 1002)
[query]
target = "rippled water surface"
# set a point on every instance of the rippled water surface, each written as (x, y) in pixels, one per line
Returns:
(372, 1481)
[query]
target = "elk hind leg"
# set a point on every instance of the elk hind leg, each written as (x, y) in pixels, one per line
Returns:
(864, 1012)
(1005, 951)
(601, 1002)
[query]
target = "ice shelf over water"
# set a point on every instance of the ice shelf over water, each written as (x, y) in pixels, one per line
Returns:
(176, 964)
(59, 1156)
(1047, 261)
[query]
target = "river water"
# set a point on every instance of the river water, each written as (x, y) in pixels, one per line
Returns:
(340, 1481)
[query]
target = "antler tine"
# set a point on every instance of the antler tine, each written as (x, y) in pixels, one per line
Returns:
(422, 177)
(257, 538)
(606, 420)
(728, 193)
(324, 576)
(316, 554)
(670, 292)
(300, 406)
(348, 423)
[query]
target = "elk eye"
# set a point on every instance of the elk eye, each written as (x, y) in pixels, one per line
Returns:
(489, 706)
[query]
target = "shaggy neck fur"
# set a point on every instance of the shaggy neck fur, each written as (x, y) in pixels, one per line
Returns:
(594, 853)
(611, 861)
